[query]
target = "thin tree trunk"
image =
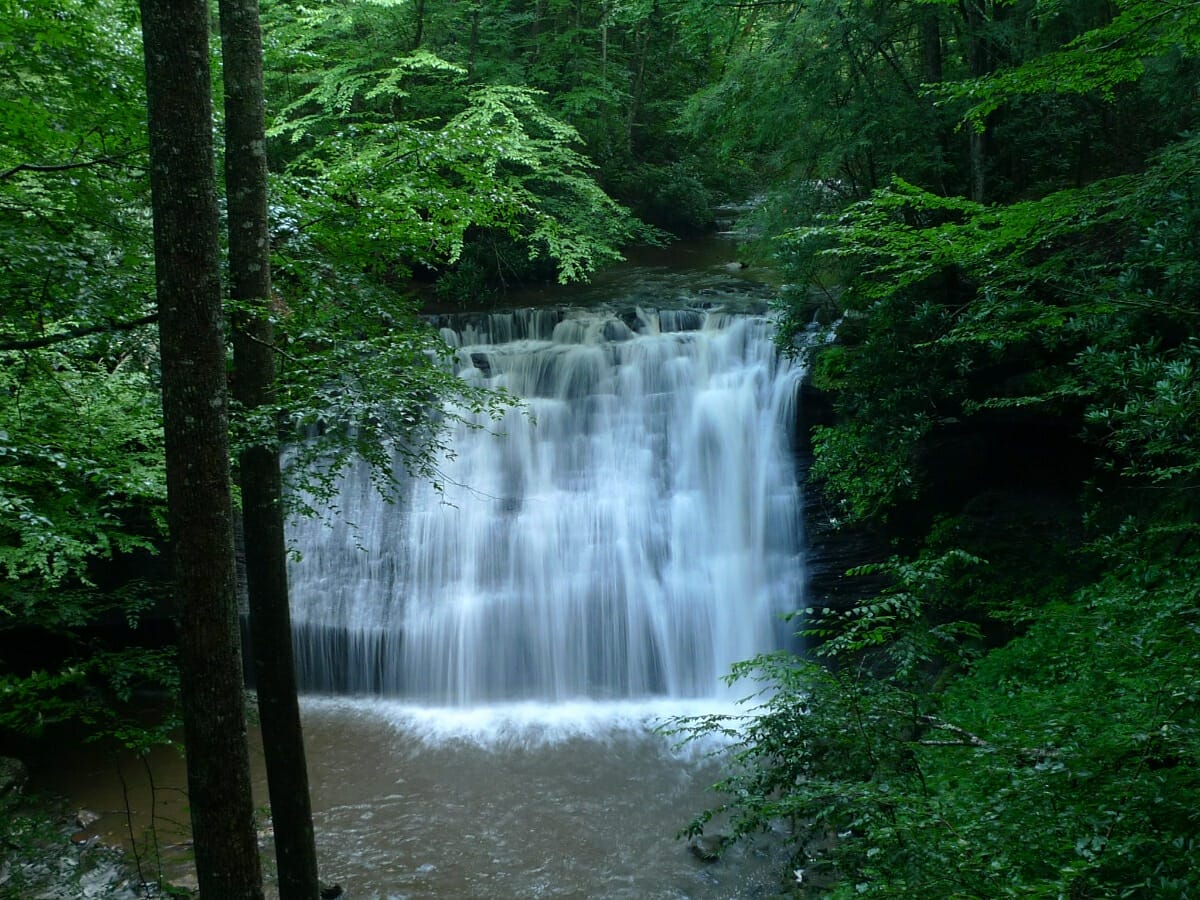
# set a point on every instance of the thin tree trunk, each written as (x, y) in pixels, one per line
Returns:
(605, 12)
(931, 73)
(639, 77)
(931, 47)
(979, 63)
(977, 144)
(262, 495)
(473, 46)
(535, 30)
(195, 421)
(419, 28)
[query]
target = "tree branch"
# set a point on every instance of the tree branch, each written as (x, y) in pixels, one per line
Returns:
(66, 167)
(965, 738)
(270, 346)
(72, 333)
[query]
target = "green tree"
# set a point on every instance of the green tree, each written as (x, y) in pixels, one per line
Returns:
(78, 293)
(399, 162)
(81, 484)
(258, 463)
(195, 418)
(1005, 716)
(615, 73)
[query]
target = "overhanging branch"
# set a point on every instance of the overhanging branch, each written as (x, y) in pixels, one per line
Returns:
(109, 160)
(72, 333)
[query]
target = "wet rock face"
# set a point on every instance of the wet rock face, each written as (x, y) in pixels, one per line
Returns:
(1021, 461)
(831, 548)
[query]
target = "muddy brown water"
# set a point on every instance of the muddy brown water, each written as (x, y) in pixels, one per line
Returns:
(573, 801)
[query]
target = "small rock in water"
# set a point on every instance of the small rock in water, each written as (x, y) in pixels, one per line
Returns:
(707, 846)
(615, 330)
(332, 892)
(85, 818)
(482, 363)
(189, 882)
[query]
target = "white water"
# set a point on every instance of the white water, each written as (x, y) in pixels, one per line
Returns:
(657, 486)
(630, 535)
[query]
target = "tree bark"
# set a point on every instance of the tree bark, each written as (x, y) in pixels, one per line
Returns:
(931, 47)
(976, 14)
(195, 420)
(419, 28)
(473, 45)
(931, 73)
(262, 494)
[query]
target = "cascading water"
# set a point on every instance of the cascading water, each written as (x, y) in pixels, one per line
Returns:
(632, 532)
(626, 538)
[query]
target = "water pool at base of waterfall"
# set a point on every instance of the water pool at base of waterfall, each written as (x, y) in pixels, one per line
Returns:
(504, 802)
(517, 801)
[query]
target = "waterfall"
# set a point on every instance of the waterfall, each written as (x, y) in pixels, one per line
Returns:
(631, 532)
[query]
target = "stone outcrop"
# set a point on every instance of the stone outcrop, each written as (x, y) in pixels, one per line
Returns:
(831, 548)
(13, 775)
(993, 469)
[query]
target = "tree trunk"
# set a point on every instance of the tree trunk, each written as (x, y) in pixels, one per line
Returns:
(419, 27)
(195, 420)
(535, 30)
(605, 12)
(931, 47)
(642, 43)
(473, 45)
(262, 495)
(931, 73)
(976, 14)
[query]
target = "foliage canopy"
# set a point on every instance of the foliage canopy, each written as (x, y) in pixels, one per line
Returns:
(1015, 713)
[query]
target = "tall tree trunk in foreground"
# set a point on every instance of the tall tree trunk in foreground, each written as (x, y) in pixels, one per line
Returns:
(262, 500)
(195, 420)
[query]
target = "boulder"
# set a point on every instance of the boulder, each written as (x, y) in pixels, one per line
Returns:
(481, 361)
(85, 838)
(13, 775)
(706, 847)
